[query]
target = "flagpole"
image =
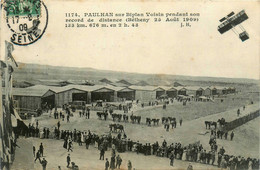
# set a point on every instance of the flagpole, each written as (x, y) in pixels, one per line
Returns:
(1, 115)
(7, 122)
(6, 76)
(6, 85)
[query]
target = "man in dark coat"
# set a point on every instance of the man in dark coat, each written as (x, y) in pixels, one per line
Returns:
(58, 124)
(33, 151)
(88, 112)
(212, 157)
(106, 164)
(112, 163)
(226, 134)
(130, 144)
(41, 149)
(44, 133)
(68, 118)
(87, 141)
(37, 123)
(172, 159)
(44, 164)
(105, 116)
(221, 134)
(102, 154)
(118, 161)
(47, 133)
(38, 155)
(232, 135)
(208, 157)
(70, 146)
(68, 160)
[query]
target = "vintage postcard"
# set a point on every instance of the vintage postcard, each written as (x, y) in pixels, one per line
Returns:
(133, 85)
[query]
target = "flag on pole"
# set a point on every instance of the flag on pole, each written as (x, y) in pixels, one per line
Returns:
(9, 49)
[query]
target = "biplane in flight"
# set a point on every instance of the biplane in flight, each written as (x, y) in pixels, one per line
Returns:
(231, 21)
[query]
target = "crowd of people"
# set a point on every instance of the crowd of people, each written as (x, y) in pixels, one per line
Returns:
(120, 143)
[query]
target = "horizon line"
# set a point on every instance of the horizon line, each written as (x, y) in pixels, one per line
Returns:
(198, 76)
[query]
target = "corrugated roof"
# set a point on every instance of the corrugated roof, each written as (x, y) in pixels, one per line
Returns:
(114, 88)
(145, 88)
(159, 88)
(39, 90)
(46, 88)
(180, 88)
(28, 92)
(83, 88)
(73, 86)
(207, 87)
(125, 89)
(167, 87)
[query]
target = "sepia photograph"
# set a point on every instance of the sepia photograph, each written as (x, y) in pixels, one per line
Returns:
(130, 85)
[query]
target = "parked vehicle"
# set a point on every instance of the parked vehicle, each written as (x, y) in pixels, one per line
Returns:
(77, 105)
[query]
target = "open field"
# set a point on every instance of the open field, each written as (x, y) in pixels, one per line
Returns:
(187, 133)
(194, 110)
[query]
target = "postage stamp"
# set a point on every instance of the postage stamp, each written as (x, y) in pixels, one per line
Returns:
(23, 7)
(27, 26)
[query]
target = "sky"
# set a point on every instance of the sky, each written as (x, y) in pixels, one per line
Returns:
(153, 48)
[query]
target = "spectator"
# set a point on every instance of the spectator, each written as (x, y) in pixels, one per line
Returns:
(44, 164)
(106, 164)
(129, 165)
(68, 160)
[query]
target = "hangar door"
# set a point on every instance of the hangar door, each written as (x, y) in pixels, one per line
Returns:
(103, 94)
(182, 92)
(127, 94)
(199, 92)
(159, 92)
(79, 97)
(214, 92)
(48, 99)
(172, 93)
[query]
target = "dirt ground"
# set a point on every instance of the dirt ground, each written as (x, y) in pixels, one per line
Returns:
(194, 110)
(193, 115)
